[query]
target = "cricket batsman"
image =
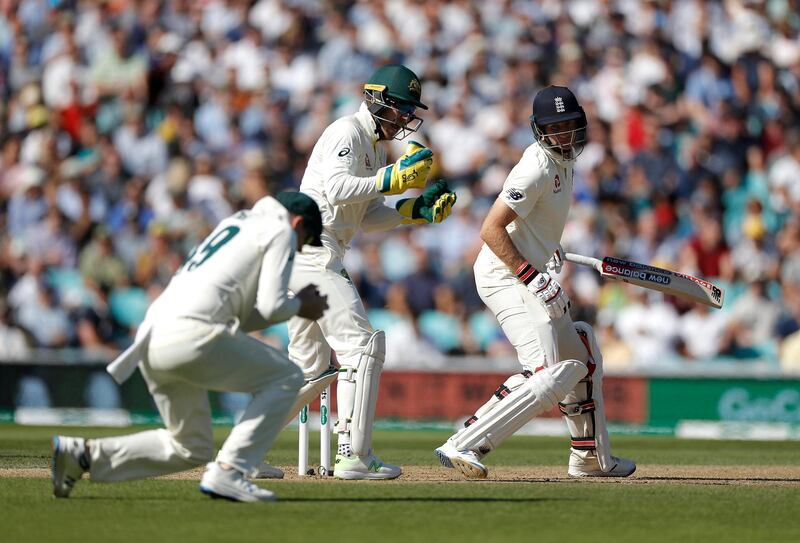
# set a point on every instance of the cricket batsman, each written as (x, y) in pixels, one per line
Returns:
(348, 177)
(561, 360)
(194, 339)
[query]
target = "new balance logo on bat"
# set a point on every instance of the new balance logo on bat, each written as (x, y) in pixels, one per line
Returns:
(641, 275)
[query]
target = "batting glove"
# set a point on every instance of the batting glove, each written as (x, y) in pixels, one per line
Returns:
(547, 289)
(409, 172)
(556, 261)
(433, 206)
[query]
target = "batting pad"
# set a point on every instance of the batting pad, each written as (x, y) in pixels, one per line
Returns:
(536, 395)
(583, 408)
(361, 384)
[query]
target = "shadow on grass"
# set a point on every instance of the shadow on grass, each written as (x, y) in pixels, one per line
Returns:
(436, 499)
(379, 499)
(655, 480)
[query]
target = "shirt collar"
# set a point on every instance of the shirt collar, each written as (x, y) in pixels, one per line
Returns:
(366, 120)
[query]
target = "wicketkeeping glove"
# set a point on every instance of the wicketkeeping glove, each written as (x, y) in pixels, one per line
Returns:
(409, 172)
(544, 287)
(434, 205)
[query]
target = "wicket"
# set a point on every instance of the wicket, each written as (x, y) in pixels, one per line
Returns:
(325, 467)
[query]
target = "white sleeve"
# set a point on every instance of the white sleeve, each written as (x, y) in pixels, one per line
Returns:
(341, 184)
(379, 217)
(273, 301)
(523, 185)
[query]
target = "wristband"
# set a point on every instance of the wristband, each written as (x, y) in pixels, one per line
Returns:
(526, 273)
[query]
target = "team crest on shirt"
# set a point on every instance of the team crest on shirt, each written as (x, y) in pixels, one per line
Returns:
(556, 185)
(367, 162)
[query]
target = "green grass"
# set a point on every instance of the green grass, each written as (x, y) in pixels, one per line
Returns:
(29, 446)
(172, 510)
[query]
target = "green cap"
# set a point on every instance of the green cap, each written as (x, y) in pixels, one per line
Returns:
(398, 82)
(303, 205)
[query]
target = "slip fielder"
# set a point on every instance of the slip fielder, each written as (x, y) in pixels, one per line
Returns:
(193, 340)
(561, 361)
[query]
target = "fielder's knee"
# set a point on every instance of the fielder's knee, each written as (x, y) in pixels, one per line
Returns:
(194, 451)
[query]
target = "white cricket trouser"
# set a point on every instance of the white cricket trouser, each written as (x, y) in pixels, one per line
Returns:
(344, 327)
(538, 340)
(187, 358)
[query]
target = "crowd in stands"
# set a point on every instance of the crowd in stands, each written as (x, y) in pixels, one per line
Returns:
(129, 128)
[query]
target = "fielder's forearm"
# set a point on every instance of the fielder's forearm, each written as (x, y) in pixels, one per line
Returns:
(255, 321)
(497, 239)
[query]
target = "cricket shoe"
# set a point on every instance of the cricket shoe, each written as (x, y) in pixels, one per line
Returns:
(70, 462)
(364, 467)
(585, 464)
(231, 484)
(466, 462)
(268, 471)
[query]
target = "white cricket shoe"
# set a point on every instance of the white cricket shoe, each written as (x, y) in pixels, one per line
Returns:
(364, 467)
(231, 484)
(466, 462)
(585, 464)
(268, 471)
(70, 462)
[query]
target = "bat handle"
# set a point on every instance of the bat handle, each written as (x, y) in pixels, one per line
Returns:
(585, 261)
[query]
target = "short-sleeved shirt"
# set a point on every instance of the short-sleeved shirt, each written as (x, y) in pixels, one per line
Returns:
(539, 190)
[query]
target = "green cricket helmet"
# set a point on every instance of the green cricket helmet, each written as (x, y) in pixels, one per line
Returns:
(393, 94)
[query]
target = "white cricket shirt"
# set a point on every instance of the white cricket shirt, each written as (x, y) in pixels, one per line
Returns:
(340, 177)
(539, 190)
(242, 266)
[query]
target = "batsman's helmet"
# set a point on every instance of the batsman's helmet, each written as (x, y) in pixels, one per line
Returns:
(555, 105)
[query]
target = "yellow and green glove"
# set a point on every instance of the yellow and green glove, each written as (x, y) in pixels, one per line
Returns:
(409, 172)
(434, 205)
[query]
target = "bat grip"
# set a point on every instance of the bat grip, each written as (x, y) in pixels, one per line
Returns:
(584, 261)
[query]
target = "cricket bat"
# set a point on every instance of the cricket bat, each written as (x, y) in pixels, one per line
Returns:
(666, 281)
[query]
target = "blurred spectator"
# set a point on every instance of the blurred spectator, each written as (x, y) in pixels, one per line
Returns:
(649, 326)
(13, 343)
(703, 334)
(45, 320)
(98, 263)
(403, 340)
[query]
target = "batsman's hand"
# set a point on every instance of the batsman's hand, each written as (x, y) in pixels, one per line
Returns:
(434, 205)
(312, 303)
(409, 172)
(556, 261)
(550, 293)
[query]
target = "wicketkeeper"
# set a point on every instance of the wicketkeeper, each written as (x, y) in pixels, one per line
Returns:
(194, 339)
(561, 360)
(348, 177)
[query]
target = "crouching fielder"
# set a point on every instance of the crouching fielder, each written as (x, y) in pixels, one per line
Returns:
(561, 361)
(193, 340)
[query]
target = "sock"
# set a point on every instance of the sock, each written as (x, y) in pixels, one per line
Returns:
(344, 446)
